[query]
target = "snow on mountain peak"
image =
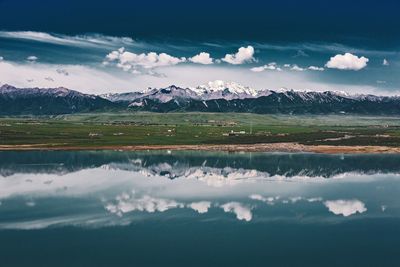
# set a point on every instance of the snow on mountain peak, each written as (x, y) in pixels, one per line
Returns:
(220, 86)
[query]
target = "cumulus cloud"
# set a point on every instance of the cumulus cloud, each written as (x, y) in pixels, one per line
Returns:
(201, 206)
(385, 62)
(347, 61)
(241, 211)
(202, 58)
(269, 66)
(243, 55)
(345, 207)
(127, 203)
(316, 68)
(32, 58)
(296, 68)
(133, 62)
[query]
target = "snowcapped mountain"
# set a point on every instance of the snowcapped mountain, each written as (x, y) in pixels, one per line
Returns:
(13, 92)
(226, 90)
(220, 96)
(217, 96)
(40, 101)
(212, 90)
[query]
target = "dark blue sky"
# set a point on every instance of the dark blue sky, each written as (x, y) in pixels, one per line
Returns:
(282, 44)
(369, 23)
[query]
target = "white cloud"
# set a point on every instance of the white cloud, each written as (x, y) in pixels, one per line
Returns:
(296, 68)
(127, 203)
(258, 69)
(385, 62)
(201, 206)
(32, 58)
(244, 54)
(129, 61)
(269, 66)
(202, 58)
(347, 61)
(83, 78)
(1, 58)
(345, 207)
(242, 212)
(82, 40)
(316, 68)
(99, 80)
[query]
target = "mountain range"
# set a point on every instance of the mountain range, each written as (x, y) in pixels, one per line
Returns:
(49, 101)
(217, 96)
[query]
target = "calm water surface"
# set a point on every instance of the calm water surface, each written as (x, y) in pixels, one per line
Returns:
(163, 208)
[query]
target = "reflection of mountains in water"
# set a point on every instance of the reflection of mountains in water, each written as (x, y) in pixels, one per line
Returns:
(184, 163)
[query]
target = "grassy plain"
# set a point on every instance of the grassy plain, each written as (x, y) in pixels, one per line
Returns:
(119, 129)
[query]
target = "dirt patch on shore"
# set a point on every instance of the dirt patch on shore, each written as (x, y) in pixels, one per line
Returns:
(272, 147)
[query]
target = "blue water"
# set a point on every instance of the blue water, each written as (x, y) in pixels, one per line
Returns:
(198, 209)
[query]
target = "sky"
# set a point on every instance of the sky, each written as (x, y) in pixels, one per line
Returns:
(119, 46)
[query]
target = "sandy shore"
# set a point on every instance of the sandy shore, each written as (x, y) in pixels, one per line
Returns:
(274, 147)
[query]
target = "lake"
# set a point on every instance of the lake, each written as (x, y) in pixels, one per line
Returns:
(186, 208)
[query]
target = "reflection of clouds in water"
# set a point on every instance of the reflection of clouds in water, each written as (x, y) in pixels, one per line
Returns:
(345, 207)
(201, 206)
(295, 199)
(242, 212)
(127, 203)
(274, 200)
(215, 177)
(231, 176)
(30, 203)
(314, 199)
(223, 177)
(268, 200)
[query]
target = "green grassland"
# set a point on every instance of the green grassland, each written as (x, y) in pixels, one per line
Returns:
(107, 129)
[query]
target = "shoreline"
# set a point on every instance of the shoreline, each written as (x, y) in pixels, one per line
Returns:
(264, 147)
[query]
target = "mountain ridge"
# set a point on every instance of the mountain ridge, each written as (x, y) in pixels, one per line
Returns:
(217, 96)
(48, 101)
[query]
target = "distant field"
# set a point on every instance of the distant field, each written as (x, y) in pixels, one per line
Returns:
(197, 128)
